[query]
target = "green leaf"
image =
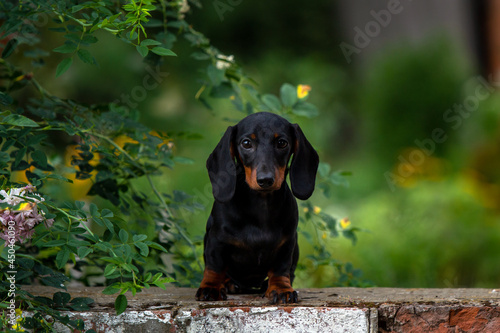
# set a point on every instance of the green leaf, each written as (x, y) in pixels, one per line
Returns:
(331, 224)
(112, 289)
(161, 283)
(106, 213)
(339, 178)
(20, 154)
(113, 260)
(77, 8)
(44, 300)
(67, 47)
(305, 109)
(149, 42)
(288, 95)
(19, 120)
(63, 66)
(75, 38)
(351, 235)
(78, 231)
(60, 298)
(143, 50)
(62, 257)
(143, 248)
(98, 220)
(110, 269)
(4, 157)
(84, 251)
(205, 103)
(21, 165)
(92, 238)
(149, 8)
(89, 39)
(59, 177)
(82, 300)
(86, 57)
(54, 243)
(79, 204)
(272, 102)
(223, 90)
(156, 246)
(81, 304)
(94, 211)
(139, 238)
(108, 225)
(120, 304)
(324, 169)
(40, 159)
(9, 48)
(123, 235)
(215, 75)
(5, 99)
(161, 51)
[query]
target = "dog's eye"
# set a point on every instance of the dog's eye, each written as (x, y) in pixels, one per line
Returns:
(247, 144)
(282, 143)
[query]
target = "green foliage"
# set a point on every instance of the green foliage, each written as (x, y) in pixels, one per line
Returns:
(440, 236)
(407, 92)
(114, 152)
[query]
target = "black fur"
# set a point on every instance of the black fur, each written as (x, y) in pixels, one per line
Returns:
(251, 236)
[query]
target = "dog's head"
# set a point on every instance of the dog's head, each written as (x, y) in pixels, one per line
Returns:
(262, 145)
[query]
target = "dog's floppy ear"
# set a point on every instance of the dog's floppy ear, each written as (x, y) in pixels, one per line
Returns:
(303, 167)
(222, 168)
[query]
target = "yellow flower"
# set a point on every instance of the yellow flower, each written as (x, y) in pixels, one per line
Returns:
(324, 235)
(316, 210)
(123, 139)
(345, 222)
(18, 328)
(306, 210)
(19, 312)
(303, 90)
(80, 187)
(26, 206)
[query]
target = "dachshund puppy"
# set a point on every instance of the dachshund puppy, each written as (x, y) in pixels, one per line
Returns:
(250, 243)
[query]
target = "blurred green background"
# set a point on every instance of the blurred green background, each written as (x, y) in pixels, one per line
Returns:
(431, 213)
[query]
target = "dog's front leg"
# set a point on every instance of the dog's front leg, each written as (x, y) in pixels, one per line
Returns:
(212, 286)
(279, 284)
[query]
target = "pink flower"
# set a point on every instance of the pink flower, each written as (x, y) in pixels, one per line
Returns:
(19, 220)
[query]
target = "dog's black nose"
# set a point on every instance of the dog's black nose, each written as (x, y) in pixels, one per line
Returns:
(265, 181)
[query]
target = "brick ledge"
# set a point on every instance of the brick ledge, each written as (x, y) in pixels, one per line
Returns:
(367, 310)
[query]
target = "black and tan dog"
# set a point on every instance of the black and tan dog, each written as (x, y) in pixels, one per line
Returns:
(251, 233)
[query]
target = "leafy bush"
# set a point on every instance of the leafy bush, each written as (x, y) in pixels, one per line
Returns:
(440, 236)
(119, 246)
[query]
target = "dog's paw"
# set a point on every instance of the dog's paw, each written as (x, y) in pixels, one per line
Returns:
(280, 290)
(211, 294)
(282, 296)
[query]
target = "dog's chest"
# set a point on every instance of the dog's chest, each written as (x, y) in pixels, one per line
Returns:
(255, 245)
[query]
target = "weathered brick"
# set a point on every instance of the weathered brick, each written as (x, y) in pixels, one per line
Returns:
(345, 310)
